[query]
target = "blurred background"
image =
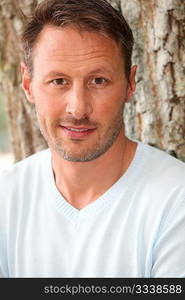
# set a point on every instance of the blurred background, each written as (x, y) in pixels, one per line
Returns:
(6, 153)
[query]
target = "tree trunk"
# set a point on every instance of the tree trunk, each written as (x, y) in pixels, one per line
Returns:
(156, 114)
(25, 135)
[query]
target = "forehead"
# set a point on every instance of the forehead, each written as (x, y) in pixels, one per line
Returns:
(72, 45)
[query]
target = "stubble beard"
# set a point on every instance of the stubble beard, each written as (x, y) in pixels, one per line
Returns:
(102, 145)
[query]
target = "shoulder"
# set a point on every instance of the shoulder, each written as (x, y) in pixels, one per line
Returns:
(159, 192)
(159, 165)
(31, 163)
(19, 184)
(22, 175)
(159, 181)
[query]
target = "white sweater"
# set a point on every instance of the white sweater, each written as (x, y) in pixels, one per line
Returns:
(135, 229)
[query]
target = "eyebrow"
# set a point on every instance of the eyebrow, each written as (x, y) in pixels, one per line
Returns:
(100, 70)
(61, 74)
(55, 74)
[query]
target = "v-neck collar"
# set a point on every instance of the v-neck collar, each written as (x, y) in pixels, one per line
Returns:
(122, 185)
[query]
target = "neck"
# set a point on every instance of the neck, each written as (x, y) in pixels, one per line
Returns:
(81, 183)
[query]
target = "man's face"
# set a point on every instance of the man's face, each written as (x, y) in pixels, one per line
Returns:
(79, 88)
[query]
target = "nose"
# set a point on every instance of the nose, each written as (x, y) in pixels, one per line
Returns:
(78, 102)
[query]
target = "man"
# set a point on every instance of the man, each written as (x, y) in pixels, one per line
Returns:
(95, 204)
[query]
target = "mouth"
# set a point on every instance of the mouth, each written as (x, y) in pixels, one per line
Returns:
(77, 133)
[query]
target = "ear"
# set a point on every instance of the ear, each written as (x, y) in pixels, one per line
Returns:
(26, 82)
(131, 84)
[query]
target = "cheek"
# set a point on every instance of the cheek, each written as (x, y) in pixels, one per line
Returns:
(48, 106)
(114, 95)
(48, 113)
(110, 105)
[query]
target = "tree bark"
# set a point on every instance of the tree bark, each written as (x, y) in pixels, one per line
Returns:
(156, 114)
(25, 135)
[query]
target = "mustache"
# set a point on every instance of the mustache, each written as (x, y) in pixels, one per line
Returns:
(77, 122)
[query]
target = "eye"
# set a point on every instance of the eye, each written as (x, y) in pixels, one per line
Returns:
(99, 81)
(60, 81)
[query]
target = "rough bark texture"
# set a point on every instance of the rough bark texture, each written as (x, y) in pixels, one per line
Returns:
(25, 135)
(156, 114)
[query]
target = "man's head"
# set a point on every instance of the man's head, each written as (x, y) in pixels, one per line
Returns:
(77, 73)
(87, 15)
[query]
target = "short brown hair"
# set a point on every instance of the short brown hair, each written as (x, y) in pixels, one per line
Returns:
(89, 15)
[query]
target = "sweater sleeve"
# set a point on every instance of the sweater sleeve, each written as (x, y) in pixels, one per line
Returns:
(169, 248)
(3, 261)
(1, 273)
(4, 191)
